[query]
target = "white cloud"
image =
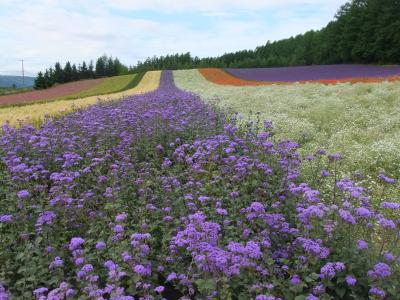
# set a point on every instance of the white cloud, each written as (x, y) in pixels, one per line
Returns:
(213, 5)
(46, 31)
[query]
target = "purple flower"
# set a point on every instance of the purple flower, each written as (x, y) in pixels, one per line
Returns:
(76, 243)
(346, 216)
(45, 217)
(118, 228)
(350, 280)
(325, 173)
(109, 264)
(377, 292)
(203, 199)
(172, 276)
(295, 280)
(6, 218)
(381, 270)
(364, 212)
(362, 245)
(391, 205)
(40, 291)
(126, 256)
(57, 263)
(387, 179)
(121, 217)
(100, 245)
(159, 289)
(329, 269)
(319, 289)
(222, 212)
(389, 256)
(23, 194)
(142, 270)
(87, 268)
(387, 224)
(79, 261)
(335, 156)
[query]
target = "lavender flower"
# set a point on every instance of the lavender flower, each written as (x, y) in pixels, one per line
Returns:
(100, 245)
(76, 243)
(6, 218)
(377, 292)
(159, 289)
(380, 270)
(295, 280)
(362, 245)
(350, 280)
(387, 179)
(23, 194)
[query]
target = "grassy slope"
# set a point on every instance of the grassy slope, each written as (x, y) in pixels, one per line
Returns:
(9, 91)
(361, 121)
(110, 85)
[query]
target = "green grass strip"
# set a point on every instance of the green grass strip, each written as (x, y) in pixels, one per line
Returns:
(10, 91)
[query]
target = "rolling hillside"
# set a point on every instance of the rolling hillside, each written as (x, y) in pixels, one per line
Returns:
(8, 81)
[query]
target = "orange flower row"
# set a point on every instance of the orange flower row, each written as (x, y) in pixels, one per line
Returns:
(219, 76)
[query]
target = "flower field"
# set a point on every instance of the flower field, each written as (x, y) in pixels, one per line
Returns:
(165, 196)
(361, 121)
(36, 113)
(57, 91)
(74, 90)
(330, 74)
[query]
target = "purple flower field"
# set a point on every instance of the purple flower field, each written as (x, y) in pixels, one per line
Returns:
(322, 72)
(161, 196)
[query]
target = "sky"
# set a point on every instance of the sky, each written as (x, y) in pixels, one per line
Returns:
(43, 32)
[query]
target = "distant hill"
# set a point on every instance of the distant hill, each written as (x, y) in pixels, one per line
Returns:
(8, 81)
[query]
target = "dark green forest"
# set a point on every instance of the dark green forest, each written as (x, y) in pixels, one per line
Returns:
(105, 67)
(363, 31)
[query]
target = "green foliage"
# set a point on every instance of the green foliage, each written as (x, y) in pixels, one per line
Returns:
(105, 67)
(12, 90)
(40, 82)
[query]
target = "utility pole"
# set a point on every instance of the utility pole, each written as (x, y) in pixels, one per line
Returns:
(23, 73)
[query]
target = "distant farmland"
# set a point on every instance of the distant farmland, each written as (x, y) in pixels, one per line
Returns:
(9, 81)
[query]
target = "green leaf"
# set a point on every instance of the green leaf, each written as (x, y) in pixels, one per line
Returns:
(340, 292)
(206, 285)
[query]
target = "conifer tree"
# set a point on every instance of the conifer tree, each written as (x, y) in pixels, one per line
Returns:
(58, 73)
(39, 82)
(67, 72)
(91, 73)
(74, 73)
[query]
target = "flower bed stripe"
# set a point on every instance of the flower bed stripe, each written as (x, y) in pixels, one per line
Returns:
(222, 77)
(36, 113)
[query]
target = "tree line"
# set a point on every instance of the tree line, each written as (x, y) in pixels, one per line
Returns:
(363, 31)
(105, 67)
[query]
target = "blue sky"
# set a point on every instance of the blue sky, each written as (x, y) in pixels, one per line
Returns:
(45, 31)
